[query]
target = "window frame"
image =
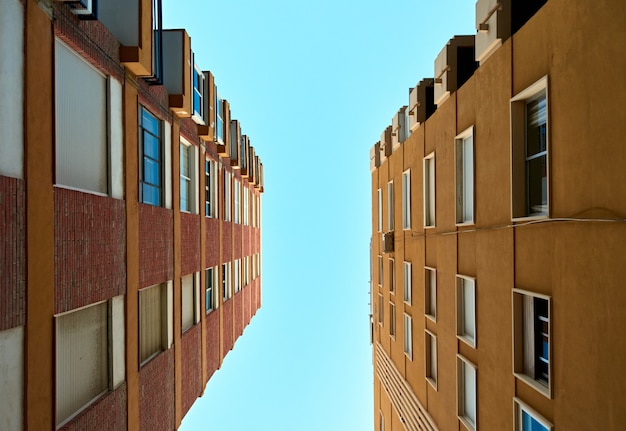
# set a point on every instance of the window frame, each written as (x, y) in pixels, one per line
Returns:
(429, 339)
(381, 310)
(227, 282)
(211, 188)
(380, 210)
(160, 162)
(406, 199)
(519, 314)
(464, 177)
(461, 330)
(186, 147)
(430, 191)
(519, 408)
(469, 422)
(381, 275)
(164, 321)
(408, 336)
(195, 302)
(428, 292)
(407, 282)
(520, 205)
(219, 118)
(392, 320)
(198, 89)
(390, 211)
(392, 275)
(236, 201)
(211, 283)
(227, 195)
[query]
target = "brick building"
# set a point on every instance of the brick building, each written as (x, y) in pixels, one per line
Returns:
(498, 228)
(130, 218)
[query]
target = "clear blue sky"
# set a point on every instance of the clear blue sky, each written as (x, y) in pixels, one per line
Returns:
(313, 84)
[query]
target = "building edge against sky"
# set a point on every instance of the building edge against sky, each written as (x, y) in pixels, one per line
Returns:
(498, 228)
(131, 218)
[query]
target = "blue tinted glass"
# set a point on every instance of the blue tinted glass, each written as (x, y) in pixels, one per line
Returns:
(531, 424)
(196, 78)
(184, 196)
(151, 172)
(208, 300)
(151, 195)
(197, 100)
(545, 349)
(149, 122)
(151, 146)
(220, 129)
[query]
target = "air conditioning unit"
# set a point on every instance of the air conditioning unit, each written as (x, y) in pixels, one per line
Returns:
(388, 242)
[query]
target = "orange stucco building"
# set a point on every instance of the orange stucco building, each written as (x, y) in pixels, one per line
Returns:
(498, 228)
(130, 218)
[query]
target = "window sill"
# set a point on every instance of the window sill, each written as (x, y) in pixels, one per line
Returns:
(431, 317)
(432, 383)
(467, 423)
(409, 356)
(465, 223)
(467, 340)
(539, 387)
(524, 219)
(430, 226)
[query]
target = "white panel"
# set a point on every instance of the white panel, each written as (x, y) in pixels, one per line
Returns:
(116, 130)
(187, 305)
(169, 310)
(195, 181)
(81, 358)
(167, 163)
(197, 297)
(11, 372)
(81, 123)
(118, 342)
(11, 88)
(122, 18)
(468, 179)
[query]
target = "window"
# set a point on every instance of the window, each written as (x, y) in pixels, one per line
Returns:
(406, 200)
(408, 336)
(237, 200)
(227, 195)
(185, 177)
(430, 352)
(381, 425)
(219, 119)
(211, 300)
(529, 151)
(151, 169)
(429, 190)
(246, 194)
(464, 148)
(227, 286)
(392, 319)
(81, 123)
(392, 276)
(82, 358)
(189, 302)
(380, 210)
(381, 311)
(237, 275)
(526, 419)
(390, 205)
(466, 392)
(246, 270)
(466, 309)
(211, 184)
(198, 95)
(380, 271)
(531, 331)
(430, 292)
(408, 275)
(152, 312)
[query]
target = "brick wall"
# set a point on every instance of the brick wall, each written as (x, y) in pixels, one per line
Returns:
(212, 342)
(227, 329)
(89, 248)
(227, 246)
(238, 233)
(90, 38)
(156, 393)
(212, 242)
(156, 244)
(247, 296)
(190, 243)
(247, 248)
(191, 367)
(238, 305)
(109, 411)
(13, 258)
(189, 129)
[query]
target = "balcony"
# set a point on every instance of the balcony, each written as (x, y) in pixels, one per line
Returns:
(493, 26)
(453, 66)
(421, 102)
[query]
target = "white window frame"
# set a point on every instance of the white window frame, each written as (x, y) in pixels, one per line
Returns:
(390, 212)
(227, 195)
(463, 310)
(430, 356)
(165, 323)
(408, 282)
(381, 424)
(430, 191)
(408, 336)
(392, 320)
(191, 179)
(237, 201)
(464, 176)
(464, 369)
(406, 199)
(381, 274)
(520, 332)
(211, 279)
(392, 276)
(430, 290)
(198, 117)
(227, 281)
(519, 408)
(381, 310)
(237, 268)
(380, 210)
(520, 210)
(219, 118)
(190, 298)
(246, 195)
(211, 184)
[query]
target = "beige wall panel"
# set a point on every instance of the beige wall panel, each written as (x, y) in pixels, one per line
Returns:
(467, 101)
(534, 257)
(413, 155)
(537, 401)
(492, 174)
(466, 243)
(532, 49)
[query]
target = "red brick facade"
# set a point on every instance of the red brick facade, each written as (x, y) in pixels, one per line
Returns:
(12, 259)
(212, 342)
(109, 410)
(156, 393)
(212, 242)
(227, 237)
(227, 329)
(89, 248)
(238, 305)
(156, 245)
(237, 233)
(190, 243)
(191, 367)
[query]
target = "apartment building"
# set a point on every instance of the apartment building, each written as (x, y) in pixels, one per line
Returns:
(130, 206)
(498, 228)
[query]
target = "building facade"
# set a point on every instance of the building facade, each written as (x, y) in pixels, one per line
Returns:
(498, 229)
(130, 208)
